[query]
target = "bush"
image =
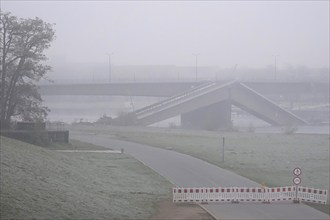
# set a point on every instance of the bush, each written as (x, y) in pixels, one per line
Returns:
(290, 129)
(125, 119)
(38, 138)
(105, 120)
(35, 137)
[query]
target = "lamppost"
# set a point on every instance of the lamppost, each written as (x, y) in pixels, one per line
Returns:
(109, 62)
(275, 65)
(196, 64)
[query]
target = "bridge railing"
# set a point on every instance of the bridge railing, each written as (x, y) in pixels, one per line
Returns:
(202, 90)
(161, 103)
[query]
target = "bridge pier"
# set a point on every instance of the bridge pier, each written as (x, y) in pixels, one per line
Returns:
(213, 117)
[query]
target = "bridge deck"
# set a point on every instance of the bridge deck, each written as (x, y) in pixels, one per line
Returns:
(166, 89)
(214, 92)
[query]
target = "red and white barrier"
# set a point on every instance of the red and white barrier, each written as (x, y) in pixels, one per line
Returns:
(312, 195)
(280, 193)
(244, 194)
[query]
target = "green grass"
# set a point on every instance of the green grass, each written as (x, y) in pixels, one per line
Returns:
(268, 158)
(40, 183)
(75, 145)
(264, 158)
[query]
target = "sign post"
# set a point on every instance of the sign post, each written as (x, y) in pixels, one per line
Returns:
(223, 149)
(296, 180)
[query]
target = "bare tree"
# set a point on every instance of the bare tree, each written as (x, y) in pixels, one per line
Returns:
(22, 44)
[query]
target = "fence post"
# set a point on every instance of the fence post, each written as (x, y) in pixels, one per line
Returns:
(223, 149)
(296, 200)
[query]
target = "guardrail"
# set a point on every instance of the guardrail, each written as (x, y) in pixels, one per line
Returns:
(251, 194)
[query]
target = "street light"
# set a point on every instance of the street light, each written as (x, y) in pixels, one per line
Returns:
(109, 55)
(196, 72)
(275, 70)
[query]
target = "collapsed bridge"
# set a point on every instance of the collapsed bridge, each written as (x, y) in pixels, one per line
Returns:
(209, 105)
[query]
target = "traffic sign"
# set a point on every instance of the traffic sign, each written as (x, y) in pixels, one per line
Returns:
(297, 171)
(296, 180)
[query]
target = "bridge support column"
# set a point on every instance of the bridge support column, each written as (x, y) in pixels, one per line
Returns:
(213, 117)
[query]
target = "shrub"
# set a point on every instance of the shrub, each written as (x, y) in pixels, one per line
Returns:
(290, 129)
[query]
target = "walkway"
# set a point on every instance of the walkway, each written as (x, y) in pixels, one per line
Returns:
(186, 171)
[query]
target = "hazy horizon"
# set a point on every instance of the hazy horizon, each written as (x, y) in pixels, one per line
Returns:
(225, 34)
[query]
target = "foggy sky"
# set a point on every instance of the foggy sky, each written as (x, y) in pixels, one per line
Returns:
(167, 32)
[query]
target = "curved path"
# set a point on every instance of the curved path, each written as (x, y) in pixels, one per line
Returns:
(186, 171)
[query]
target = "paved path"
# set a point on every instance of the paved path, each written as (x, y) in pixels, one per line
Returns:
(186, 171)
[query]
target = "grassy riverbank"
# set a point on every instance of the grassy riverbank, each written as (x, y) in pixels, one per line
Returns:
(264, 158)
(39, 183)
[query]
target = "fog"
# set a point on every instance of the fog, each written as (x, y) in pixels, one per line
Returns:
(223, 100)
(224, 34)
(166, 40)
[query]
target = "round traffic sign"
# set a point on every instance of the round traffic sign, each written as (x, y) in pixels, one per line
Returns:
(297, 171)
(296, 180)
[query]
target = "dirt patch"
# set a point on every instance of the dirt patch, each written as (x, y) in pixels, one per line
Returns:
(169, 210)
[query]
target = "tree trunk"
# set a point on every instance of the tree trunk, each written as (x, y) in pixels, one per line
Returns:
(3, 79)
(9, 98)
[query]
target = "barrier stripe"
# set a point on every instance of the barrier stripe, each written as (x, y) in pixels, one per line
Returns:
(312, 195)
(249, 194)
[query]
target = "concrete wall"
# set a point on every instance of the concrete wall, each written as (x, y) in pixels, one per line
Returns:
(213, 117)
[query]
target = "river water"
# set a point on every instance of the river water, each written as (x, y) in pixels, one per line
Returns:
(71, 109)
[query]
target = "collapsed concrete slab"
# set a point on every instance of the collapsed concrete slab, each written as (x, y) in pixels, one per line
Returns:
(210, 103)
